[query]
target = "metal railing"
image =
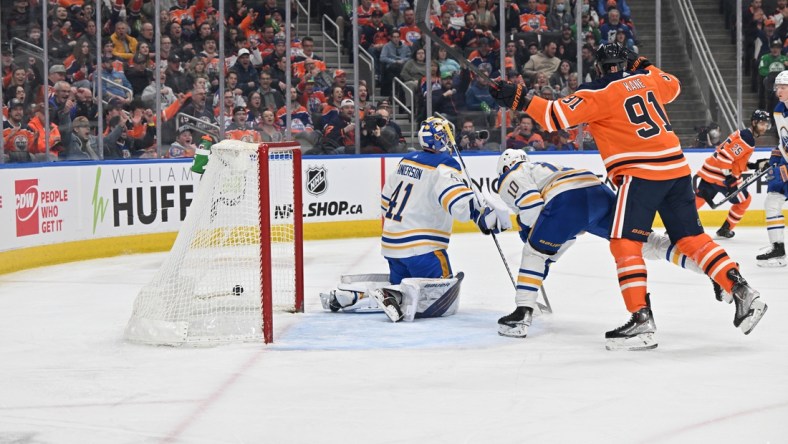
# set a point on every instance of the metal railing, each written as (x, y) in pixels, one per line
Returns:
(720, 105)
(364, 56)
(33, 49)
(183, 120)
(336, 42)
(396, 101)
(306, 10)
(107, 80)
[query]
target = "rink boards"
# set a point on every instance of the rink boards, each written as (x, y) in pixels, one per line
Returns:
(53, 213)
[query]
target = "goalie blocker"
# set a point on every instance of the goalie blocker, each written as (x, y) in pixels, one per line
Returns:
(413, 298)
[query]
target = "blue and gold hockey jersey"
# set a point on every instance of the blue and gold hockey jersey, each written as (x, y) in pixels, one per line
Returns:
(527, 187)
(419, 201)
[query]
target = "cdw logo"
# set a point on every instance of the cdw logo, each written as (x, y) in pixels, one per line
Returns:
(27, 199)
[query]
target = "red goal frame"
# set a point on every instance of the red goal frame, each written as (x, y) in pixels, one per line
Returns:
(264, 150)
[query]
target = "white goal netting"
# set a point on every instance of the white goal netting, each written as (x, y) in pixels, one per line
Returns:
(210, 288)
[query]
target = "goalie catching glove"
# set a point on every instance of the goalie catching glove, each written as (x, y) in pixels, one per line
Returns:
(510, 95)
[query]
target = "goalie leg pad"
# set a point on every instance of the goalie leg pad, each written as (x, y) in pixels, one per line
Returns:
(352, 293)
(430, 298)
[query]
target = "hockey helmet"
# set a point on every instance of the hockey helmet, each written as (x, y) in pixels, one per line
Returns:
(760, 115)
(433, 135)
(781, 79)
(611, 54)
(510, 158)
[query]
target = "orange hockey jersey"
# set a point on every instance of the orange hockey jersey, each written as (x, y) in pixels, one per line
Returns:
(625, 114)
(250, 135)
(730, 158)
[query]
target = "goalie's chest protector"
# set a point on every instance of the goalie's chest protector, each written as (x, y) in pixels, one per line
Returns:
(419, 200)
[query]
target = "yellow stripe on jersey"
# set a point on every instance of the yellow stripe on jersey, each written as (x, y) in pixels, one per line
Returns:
(583, 179)
(415, 244)
(451, 195)
(409, 232)
(529, 280)
(444, 264)
(417, 164)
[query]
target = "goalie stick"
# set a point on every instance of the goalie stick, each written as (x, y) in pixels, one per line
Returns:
(546, 307)
(750, 180)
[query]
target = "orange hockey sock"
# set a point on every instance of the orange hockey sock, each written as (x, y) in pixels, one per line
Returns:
(711, 258)
(631, 269)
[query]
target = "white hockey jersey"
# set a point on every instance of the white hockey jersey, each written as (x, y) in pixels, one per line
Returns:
(781, 123)
(419, 201)
(527, 187)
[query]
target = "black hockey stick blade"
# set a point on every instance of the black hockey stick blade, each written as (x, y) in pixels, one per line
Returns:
(421, 22)
(750, 180)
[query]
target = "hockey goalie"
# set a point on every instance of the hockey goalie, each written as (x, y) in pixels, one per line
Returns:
(419, 202)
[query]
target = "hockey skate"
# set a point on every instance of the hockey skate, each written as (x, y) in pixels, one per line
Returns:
(329, 301)
(390, 302)
(515, 325)
(725, 231)
(774, 257)
(637, 334)
(749, 307)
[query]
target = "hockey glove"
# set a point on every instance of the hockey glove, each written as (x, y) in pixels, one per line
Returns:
(635, 61)
(758, 165)
(509, 95)
(730, 181)
(488, 222)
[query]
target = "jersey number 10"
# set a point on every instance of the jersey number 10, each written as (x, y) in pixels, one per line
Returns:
(638, 113)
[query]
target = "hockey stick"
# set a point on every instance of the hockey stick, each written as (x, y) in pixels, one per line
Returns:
(750, 180)
(546, 307)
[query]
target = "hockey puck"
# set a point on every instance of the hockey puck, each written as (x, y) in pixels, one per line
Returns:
(237, 290)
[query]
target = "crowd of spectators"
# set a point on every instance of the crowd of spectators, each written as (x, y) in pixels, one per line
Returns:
(765, 32)
(540, 51)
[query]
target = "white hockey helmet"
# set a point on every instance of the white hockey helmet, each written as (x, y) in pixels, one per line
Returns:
(433, 134)
(510, 158)
(781, 79)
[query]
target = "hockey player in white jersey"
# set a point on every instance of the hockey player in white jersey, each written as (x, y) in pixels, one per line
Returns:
(554, 204)
(419, 202)
(777, 189)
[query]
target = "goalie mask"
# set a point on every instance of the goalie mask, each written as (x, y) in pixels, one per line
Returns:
(433, 135)
(510, 158)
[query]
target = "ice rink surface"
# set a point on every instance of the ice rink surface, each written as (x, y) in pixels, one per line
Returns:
(67, 376)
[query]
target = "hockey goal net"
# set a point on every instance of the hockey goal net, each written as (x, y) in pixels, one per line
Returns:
(238, 254)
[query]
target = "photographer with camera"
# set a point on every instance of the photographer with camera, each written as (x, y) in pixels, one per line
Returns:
(709, 136)
(371, 127)
(470, 139)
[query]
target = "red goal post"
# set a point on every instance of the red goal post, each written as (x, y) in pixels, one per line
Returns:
(268, 152)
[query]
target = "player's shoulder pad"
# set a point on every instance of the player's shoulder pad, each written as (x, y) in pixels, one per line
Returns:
(780, 109)
(747, 137)
(433, 159)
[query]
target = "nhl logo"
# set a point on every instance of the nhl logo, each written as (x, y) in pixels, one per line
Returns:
(316, 183)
